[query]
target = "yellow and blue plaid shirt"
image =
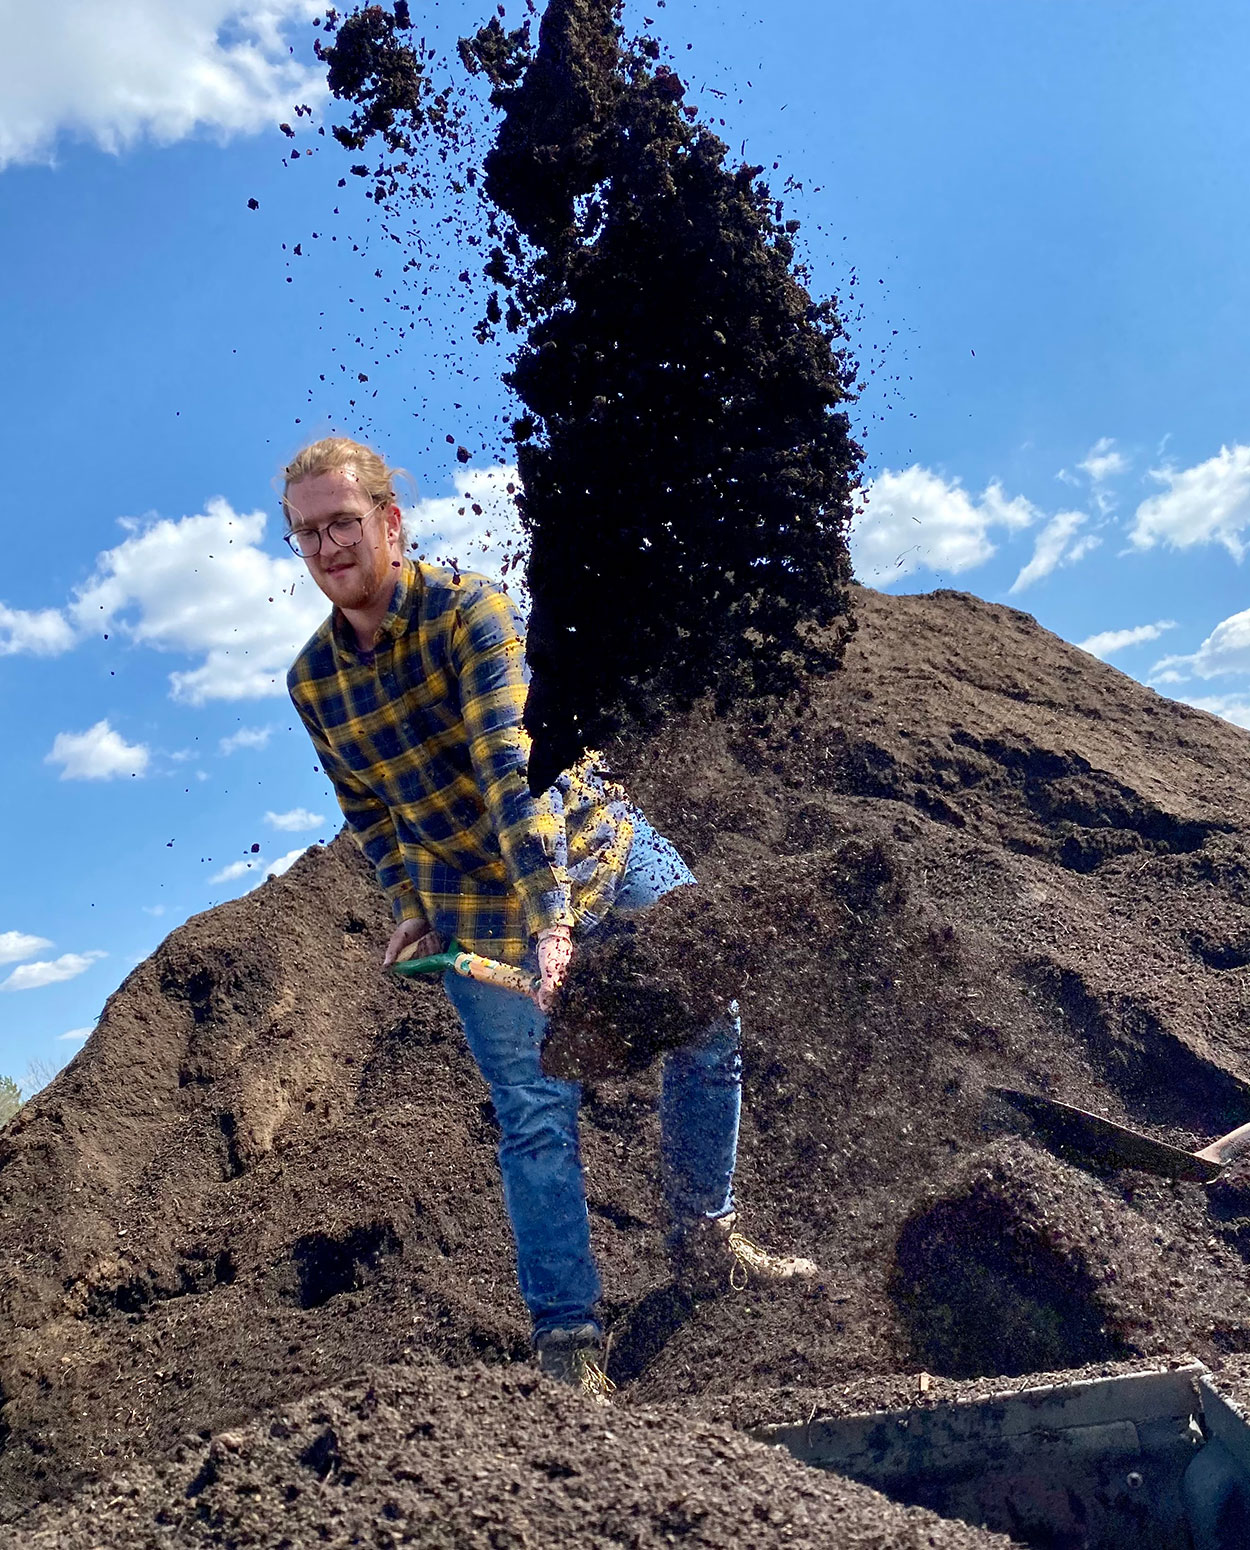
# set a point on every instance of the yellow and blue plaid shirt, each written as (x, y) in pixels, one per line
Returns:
(423, 742)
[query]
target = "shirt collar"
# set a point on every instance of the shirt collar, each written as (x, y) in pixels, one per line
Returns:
(394, 622)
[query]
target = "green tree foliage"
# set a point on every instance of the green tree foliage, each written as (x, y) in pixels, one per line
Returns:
(10, 1099)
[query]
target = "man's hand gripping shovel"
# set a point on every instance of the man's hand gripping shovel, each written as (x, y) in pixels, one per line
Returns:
(471, 966)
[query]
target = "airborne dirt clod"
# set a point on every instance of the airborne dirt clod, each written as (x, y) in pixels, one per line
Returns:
(979, 857)
(690, 471)
(686, 464)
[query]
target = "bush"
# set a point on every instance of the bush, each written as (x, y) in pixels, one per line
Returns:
(10, 1099)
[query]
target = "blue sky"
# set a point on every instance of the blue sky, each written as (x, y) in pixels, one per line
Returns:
(1035, 213)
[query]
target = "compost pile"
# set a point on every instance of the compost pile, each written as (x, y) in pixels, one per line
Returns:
(258, 1284)
(686, 467)
(256, 1264)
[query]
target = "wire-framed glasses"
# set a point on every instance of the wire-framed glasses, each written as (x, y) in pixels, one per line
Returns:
(345, 531)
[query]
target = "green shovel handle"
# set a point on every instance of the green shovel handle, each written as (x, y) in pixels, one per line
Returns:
(436, 963)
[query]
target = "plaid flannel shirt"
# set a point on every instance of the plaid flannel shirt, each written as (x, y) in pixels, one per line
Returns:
(423, 742)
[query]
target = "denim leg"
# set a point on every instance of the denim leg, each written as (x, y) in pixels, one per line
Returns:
(701, 1093)
(700, 1104)
(652, 869)
(539, 1157)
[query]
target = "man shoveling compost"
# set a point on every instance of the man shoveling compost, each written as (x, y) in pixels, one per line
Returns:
(413, 693)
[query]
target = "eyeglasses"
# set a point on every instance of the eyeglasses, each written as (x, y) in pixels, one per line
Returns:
(345, 531)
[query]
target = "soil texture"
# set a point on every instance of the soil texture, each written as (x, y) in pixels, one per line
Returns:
(973, 856)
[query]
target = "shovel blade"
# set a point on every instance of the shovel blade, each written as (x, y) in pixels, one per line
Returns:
(1091, 1137)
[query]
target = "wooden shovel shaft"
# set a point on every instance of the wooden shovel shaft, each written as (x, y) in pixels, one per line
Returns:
(491, 972)
(1227, 1147)
(473, 966)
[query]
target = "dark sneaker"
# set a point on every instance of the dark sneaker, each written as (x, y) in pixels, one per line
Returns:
(711, 1257)
(575, 1356)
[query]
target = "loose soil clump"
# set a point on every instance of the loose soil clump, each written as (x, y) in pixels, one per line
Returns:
(975, 857)
(687, 467)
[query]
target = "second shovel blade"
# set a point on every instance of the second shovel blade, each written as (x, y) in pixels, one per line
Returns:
(1096, 1139)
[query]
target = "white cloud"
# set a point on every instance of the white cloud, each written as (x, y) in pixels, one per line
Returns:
(1225, 650)
(245, 737)
(16, 945)
(1206, 504)
(31, 976)
(1103, 461)
(1230, 707)
(44, 632)
(285, 863)
(237, 869)
(259, 867)
(77, 1034)
(298, 818)
(100, 753)
(1107, 642)
(204, 587)
(916, 518)
(115, 74)
(1057, 544)
(447, 528)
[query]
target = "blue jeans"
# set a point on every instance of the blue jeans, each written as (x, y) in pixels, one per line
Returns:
(539, 1157)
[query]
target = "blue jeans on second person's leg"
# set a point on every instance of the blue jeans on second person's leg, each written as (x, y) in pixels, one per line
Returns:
(539, 1157)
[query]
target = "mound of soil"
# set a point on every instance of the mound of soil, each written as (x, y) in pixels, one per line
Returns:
(973, 856)
(485, 1458)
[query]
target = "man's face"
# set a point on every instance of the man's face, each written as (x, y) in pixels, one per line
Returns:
(352, 576)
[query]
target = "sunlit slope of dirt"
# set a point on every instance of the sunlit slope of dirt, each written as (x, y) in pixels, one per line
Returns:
(977, 855)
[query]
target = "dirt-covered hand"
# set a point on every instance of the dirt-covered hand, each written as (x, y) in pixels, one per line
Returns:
(408, 932)
(555, 953)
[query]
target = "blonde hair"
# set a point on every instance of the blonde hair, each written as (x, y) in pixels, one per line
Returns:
(334, 453)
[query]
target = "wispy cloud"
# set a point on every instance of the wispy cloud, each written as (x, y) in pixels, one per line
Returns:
(477, 527)
(245, 737)
(237, 869)
(76, 1035)
(45, 632)
(117, 74)
(99, 753)
(285, 863)
(298, 819)
(33, 976)
(1104, 461)
(1206, 504)
(1225, 650)
(16, 945)
(916, 518)
(258, 868)
(1060, 542)
(1229, 707)
(205, 588)
(1107, 642)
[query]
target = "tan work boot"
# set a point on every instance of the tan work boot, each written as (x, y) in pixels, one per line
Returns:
(575, 1357)
(711, 1257)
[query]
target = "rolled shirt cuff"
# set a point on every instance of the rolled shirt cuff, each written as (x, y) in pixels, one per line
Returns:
(552, 907)
(405, 906)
